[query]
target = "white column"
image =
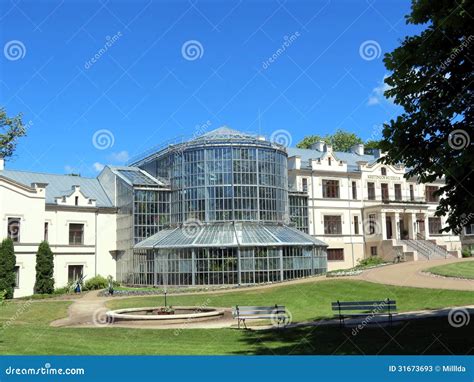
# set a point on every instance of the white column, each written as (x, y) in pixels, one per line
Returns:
(383, 225)
(397, 226)
(412, 226)
(427, 228)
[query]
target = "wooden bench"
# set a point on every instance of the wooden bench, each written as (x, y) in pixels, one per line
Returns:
(277, 313)
(347, 309)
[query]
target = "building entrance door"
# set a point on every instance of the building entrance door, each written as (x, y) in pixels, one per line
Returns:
(388, 224)
(420, 229)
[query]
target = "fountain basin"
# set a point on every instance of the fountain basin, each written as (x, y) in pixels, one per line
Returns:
(181, 314)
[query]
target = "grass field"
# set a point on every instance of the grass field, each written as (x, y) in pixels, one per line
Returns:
(309, 301)
(463, 270)
(24, 326)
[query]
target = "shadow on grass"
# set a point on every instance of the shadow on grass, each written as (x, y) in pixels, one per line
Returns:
(430, 336)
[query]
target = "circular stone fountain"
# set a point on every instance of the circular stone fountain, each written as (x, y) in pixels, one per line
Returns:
(179, 314)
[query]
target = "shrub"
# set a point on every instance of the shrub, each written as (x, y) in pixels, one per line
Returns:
(370, 261)
(7, 268)
(3, 293)
(466, 252)
(44, 270)
(95, 283)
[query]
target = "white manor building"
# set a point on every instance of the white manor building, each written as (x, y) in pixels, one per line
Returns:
(344, 204)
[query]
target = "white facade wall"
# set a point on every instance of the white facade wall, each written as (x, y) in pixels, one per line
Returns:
(28, 204)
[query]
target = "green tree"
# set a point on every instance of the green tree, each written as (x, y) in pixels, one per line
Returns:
(44, 269)
(7, 267)
(10, 130)
(372, 144)
(432, 80)
(341, 140)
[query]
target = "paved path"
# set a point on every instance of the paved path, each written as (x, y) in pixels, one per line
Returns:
(410, 274)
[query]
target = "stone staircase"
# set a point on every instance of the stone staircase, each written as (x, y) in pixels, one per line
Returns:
(426, 250)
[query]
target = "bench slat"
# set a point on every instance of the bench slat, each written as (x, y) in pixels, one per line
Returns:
(368, 307)
(380, 302)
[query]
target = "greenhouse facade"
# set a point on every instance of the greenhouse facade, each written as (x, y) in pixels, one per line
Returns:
(228, 218)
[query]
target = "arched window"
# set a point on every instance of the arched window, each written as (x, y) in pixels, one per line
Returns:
(384, 171)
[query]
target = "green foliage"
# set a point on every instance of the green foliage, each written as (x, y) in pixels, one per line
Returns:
(370, 262)
(466, 252)
(44, 270)
(341, 140)
(7, 268)
(432, 79)
(95, 283)
(3, 294)
(10, 130)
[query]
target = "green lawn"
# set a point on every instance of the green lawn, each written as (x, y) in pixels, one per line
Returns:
(308, 301)
(463, 270)
(24, 326)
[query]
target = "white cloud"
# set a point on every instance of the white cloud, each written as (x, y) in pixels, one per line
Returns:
(121, 157)
(377, 97)
(98, 166)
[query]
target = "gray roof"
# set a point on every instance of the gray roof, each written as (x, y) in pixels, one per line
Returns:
(229, 234)
(138, 177)
(61, 185)
(350, 158)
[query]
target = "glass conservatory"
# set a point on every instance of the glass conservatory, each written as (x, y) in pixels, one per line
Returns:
(228, 216)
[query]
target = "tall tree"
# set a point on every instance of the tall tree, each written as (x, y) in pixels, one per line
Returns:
(7, 267)
(341, 140)
(432, 79)
(10, 130)
(44, 269)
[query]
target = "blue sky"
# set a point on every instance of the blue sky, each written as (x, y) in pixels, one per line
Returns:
(102, 81)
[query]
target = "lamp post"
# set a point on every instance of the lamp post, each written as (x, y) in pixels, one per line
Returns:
(165, 299)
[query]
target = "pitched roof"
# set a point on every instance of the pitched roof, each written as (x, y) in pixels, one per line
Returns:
(61, 185)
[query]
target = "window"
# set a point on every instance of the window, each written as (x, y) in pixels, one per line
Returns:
(332, 225)
(384, 187)
(398, 191)
(356, 225)
(74, 272)
(76, 234)
(17, 276)
(335, 254)
(305, 184)
(434, 225)
(329, 161)
(330, 188)
(469, 229)
(46, 231)
(412, 193)
(14, 229)
(373, 251)
(383, 171)
(371, 191)
(430, 194)
(354, 190)
(76, 200)
(372, 224)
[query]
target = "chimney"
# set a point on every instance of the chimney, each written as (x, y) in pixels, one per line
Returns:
(319, 146)
(358, 149)
(377, 153)
(328, 148)
(2, 164)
